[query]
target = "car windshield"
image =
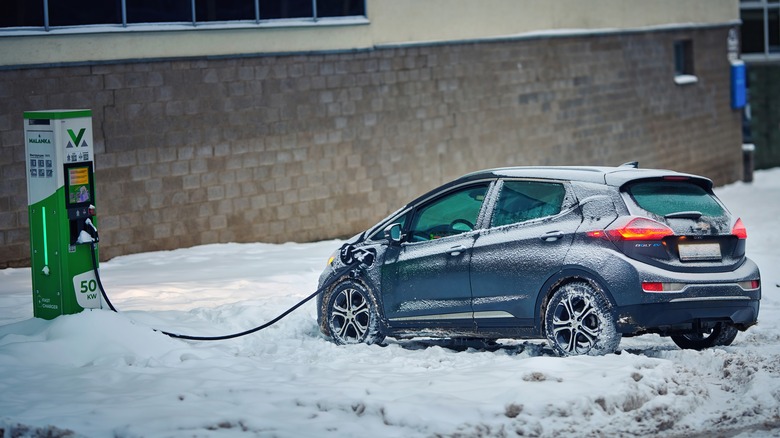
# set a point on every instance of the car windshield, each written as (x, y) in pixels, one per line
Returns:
(667, 197)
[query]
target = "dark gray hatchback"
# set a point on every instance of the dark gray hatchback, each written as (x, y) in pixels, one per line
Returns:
(580, 256)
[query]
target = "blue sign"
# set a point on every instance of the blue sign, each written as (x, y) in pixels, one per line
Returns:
(738, 85)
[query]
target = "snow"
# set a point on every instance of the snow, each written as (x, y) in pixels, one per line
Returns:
(104, 374)
(685, 79)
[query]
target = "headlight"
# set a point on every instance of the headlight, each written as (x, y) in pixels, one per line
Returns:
(333, 257)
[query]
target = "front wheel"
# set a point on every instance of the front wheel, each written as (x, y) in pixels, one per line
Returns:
(352, 316)
(721, 334)
(579, 321)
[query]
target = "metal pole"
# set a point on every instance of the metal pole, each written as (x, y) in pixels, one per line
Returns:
(46, 15)
(766, 28)
(124, 13)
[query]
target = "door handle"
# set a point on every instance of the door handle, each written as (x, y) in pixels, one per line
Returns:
(456, 250)
(551, 236)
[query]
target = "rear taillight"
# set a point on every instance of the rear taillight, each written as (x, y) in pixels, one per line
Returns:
(633, 228)
(656, 286)
(659, 287)
(750, 284)
(676, 178)
(739, 230)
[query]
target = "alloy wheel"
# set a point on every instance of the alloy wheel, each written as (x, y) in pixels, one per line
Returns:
(576, 325)
(350, 316)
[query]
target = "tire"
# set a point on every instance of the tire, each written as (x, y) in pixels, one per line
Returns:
(579, 321)
(721, 335)
(351, 315)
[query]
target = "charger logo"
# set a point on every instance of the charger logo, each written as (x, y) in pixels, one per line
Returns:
(76, 139)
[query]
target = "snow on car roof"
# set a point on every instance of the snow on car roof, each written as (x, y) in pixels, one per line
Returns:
(613, 176)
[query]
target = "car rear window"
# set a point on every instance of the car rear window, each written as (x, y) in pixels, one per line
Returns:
(667, 197)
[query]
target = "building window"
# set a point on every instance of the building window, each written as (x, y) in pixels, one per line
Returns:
(340, 8)
(760, 27)
(683, 62)
(683, 57)
(270, 9)
(21, 13)
(224, 10)
(81, 12)
(44, 14)
(158, 11)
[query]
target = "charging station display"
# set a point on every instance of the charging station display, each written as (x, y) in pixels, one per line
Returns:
(61, 199)
(78, 185)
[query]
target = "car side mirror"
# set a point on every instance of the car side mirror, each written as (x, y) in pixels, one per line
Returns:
(393, 233)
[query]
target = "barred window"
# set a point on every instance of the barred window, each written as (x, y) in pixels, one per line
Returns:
(59, 13)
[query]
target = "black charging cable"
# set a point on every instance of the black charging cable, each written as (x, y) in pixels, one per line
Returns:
(358, 258)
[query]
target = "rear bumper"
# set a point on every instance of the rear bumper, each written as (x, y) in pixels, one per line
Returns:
(683, 315)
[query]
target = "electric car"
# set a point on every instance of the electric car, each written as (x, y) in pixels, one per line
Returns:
(581, 256)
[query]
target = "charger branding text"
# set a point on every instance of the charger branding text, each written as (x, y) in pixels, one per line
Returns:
(86, 288)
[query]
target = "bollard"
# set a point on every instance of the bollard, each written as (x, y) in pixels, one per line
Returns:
(748, 151)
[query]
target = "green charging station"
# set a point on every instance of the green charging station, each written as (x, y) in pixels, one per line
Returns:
(61, 208)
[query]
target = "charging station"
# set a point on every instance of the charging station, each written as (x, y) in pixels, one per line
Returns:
(63, 228)
(61, 207)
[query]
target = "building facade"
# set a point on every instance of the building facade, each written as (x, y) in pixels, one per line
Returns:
(314, 127)
(761, 52)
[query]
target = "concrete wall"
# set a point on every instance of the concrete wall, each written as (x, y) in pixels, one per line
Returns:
(306, 147)
(405, 21)
(389, 22)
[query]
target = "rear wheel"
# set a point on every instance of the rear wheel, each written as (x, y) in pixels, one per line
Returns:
(578, 321)
(352, 316)
(721, 334)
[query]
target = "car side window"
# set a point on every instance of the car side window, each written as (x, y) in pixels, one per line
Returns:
(450, 215)
(520, 201)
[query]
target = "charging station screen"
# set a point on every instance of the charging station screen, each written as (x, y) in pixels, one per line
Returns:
(78, 185)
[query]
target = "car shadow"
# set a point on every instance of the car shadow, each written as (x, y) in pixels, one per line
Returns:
(509, 347)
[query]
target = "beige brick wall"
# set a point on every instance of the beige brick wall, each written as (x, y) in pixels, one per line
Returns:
(308, 147)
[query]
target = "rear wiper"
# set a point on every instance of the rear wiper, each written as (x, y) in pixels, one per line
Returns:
(695, 215)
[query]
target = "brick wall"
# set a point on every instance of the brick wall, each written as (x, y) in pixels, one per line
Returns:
(308, 147)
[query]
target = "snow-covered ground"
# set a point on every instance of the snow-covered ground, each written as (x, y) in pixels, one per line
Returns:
(101, 374)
